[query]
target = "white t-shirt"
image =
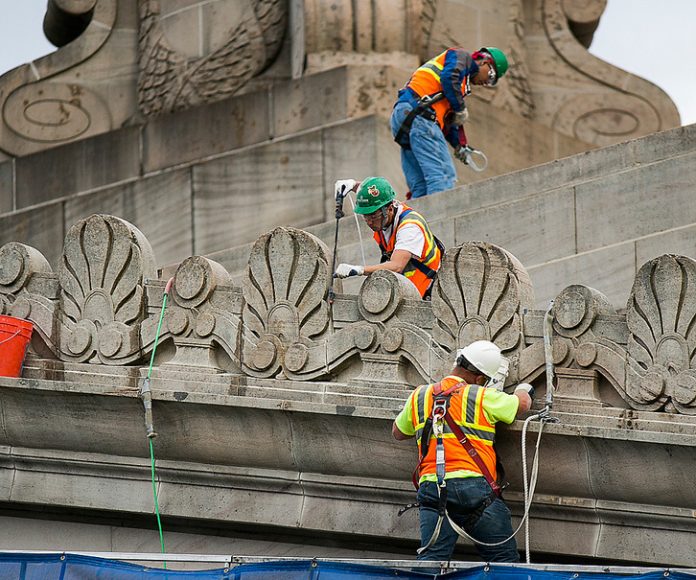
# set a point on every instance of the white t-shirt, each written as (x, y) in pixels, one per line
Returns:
(409, 237)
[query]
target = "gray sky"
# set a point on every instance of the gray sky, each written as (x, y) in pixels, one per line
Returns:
(667, 60)
(620, 40)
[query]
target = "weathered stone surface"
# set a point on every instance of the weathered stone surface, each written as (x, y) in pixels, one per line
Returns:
(680, 241)
(191, 135)
(311, 102)
(550, 278)
(196, 52)
(333, 376)
(552, 235)
(274, 356)
(159, 206)
(42, 225)
(77, 167)
(641, 196)
(240, 196)
(6, 186)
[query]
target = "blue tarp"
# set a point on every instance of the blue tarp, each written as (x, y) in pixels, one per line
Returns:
(19, 566)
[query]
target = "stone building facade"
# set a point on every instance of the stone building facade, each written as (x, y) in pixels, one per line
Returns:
(212, 132)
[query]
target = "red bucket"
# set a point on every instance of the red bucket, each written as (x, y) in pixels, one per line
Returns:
(15, 335)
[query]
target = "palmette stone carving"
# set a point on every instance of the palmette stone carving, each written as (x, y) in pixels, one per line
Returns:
(480, 294)
(285, 309)
(660, 316)
(104, 264)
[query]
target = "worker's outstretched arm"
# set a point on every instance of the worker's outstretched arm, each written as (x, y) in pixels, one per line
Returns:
(524, 392)
(397, 263)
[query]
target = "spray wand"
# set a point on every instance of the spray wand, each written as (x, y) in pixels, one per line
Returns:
(146, 396)
(340, 196)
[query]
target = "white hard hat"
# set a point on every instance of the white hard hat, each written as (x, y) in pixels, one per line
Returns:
(484, 356)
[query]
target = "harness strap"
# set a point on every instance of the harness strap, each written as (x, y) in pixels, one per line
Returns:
(428, 427)
(413, 262)
(422, 108)
(471, 450)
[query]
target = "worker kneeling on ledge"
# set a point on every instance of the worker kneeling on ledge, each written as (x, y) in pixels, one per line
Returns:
(453, 422)
(404, 237)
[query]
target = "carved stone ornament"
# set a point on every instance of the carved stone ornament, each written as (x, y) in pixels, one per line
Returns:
(41, 105)
(615, 105)
(285, 310)
(105, 261)
(480, 294)
(104, 304)
(244, 38)
(203, 314)
(660, 316)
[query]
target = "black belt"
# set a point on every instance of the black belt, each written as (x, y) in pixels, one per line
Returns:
(423, 109)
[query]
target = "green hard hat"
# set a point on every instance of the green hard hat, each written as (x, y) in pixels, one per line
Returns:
(373, 193)
(500, 61)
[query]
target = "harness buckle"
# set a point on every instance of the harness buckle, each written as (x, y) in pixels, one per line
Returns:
(439, 408)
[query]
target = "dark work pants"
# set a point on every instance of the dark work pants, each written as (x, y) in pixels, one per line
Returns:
(463, 496)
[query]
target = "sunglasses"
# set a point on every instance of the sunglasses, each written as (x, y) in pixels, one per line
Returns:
(492, 76)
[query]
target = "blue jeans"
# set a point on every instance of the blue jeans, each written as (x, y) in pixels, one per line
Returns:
(427, 166)
(463, 496)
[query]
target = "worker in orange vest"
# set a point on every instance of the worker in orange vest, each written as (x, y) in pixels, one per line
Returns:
(454, 422)
(430, 112)
(404, 237)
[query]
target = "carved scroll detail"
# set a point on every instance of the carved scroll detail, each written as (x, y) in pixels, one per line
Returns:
(40, 109)
(204, 313)
(601, 116)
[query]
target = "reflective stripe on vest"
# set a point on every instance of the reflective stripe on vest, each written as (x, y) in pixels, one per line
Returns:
(466, 408)
(426, 81)
(430, 257)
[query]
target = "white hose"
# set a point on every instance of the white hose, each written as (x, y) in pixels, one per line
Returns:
(357, 226)
(528, 491)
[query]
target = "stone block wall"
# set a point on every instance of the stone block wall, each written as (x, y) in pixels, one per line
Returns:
(220, 158)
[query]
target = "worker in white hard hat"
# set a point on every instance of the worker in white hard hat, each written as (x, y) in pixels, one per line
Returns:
(457, 476)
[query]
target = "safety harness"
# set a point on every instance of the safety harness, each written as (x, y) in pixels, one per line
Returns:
(423, 108)
(413, 263)
(435, 424)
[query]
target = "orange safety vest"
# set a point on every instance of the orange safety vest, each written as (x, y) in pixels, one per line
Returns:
(422, 270)
(466, 408)
(426, 81)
